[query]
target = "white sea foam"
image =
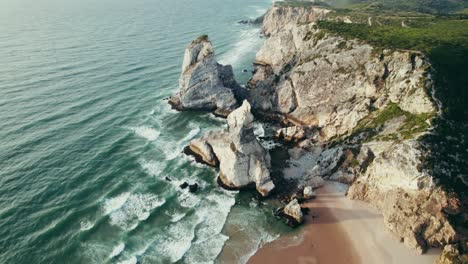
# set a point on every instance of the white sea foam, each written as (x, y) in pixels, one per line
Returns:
(154, 168)
(149, 133)
(170, 149)
(248, 40)
(115, 203)
(117, 250)
(131, 260)
(191, 135)
(86, 225)
(209, 241)
(136, 208)
(177, 217)
(207, 250)
(175, 243)
(262, 240)
(188, 200)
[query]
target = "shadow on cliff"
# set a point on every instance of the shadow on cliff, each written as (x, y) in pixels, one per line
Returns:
(446, 147)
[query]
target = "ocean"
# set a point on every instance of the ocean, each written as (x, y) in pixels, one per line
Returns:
(90, 152)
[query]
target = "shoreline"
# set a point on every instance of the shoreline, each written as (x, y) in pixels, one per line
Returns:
(339, 230)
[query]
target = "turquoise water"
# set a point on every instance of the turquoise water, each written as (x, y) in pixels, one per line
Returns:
(86, 139)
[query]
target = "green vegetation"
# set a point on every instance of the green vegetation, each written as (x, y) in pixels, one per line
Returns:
(369, 127)
(318, 36)
(422, 6)
(443, 39)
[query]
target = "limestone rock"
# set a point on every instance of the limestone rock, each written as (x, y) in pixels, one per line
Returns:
(316, 79)
(278, 17)
(293, 210)
(205, 84)
(412, 206)
(291, 134)
(308, 192)
(242, 160)
(454, 254)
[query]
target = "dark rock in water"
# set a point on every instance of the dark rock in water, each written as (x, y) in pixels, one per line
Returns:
(168, 179)
(244, 22)
(244, 70)
(184, 185)
(193, 187)
(278, 213)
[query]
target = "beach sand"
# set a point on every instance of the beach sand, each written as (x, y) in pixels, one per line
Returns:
(342, 231)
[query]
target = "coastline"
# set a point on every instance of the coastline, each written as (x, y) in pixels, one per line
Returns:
(339, 230)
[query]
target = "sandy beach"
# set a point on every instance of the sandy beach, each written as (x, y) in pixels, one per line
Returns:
(339, 230)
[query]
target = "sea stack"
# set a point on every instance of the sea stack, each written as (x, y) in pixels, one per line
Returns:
(204, 84)
(242, 160)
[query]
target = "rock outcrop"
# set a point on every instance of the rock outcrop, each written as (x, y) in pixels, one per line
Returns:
(291, 134)
(278, 17)
(242, 160)
(205, 84)
(368, 106)
(293, 210)
(413, 207)
(454, 254)
(310, 77)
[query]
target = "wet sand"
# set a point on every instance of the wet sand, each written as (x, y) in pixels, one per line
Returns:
(342, 231)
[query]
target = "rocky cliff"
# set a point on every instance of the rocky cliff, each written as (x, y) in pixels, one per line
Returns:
(205, 84)
(357, 112)
(242, 160)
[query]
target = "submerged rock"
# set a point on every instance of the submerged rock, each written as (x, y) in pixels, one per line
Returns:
(242, 160)
(205, 84)
(193, 187)
(184, 185)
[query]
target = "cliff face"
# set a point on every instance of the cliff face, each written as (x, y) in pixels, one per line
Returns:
(277, 17)
(372, 104)
(315, 79)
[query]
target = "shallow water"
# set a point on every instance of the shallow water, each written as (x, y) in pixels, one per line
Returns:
(86, 139)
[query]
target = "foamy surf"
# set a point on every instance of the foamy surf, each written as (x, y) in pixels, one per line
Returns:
(115, 203)
(248, 41)
(131, 260)
(86, 225)
(190, 135)
(148, 133)
(135, 209)
(153, 168)
(117, 250)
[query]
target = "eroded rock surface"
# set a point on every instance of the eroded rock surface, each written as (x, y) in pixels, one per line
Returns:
(313, 78)
(205, 84)
(454, 254)
(293, 211)
(413, 207)
(242, 160)
(368, 107)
